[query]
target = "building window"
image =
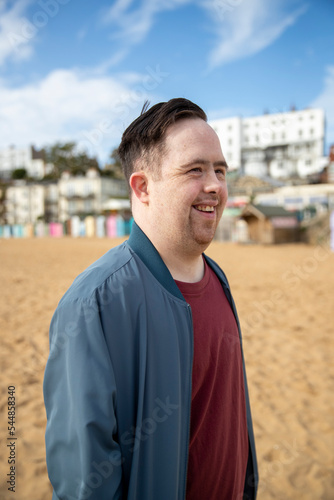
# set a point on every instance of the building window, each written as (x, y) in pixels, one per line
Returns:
(311, 131)
(300, 133)
(230, 142)
(88, 206)
(88, 189)
(71, 207)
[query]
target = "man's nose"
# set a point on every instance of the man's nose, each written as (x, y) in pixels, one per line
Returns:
(211, 182)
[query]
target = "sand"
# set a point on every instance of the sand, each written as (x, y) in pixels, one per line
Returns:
(284, 296)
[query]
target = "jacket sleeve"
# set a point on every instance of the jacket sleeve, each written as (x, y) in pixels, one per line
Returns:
(83, 456)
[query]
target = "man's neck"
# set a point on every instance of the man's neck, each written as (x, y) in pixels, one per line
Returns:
(184, 265)
(189, 270)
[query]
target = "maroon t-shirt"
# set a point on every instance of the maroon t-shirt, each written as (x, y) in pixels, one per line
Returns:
(218, 448)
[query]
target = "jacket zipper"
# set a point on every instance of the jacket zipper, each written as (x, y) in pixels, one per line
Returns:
(189, 400)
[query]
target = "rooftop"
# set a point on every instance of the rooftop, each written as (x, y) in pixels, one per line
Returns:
(267, 211)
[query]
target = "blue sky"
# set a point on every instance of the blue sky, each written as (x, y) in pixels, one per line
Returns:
(81, 70)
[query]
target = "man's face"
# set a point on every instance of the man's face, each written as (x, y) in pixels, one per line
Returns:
(187, 200)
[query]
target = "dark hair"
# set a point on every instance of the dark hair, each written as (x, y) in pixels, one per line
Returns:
(145, 136)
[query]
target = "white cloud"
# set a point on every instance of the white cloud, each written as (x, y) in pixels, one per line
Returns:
(325, 100)
(244, 27)
(111, 61)
(134, 24)
(19, 31)
(118, 10)
(15, 37)
(91, 109)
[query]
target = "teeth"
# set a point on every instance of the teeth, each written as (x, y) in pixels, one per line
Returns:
(205, 208)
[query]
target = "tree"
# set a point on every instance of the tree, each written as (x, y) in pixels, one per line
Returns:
(3, 188)
(19, 173)
(64, 157)
(114, 168)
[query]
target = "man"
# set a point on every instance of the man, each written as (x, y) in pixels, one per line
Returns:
(145, 389)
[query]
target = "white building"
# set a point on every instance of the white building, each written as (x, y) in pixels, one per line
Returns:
(277, 145)
(320, 196)
(51, 201)
(83, 195)
(29, 158)
(24, 203)
(58, 201)
(229, 131)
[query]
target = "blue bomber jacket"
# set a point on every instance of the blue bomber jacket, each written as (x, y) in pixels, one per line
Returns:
(117, 385)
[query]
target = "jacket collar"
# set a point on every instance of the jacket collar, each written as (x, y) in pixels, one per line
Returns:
(150, 256)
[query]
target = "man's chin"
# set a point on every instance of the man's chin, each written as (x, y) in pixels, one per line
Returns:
(204, 240)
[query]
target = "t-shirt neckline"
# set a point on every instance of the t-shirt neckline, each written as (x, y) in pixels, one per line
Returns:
(198, 286)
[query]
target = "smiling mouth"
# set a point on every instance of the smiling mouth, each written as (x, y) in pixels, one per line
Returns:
(204, 208)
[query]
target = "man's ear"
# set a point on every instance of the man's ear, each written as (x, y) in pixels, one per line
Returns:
(139, 185)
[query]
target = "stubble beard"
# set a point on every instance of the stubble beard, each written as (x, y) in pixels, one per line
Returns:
(201, 237)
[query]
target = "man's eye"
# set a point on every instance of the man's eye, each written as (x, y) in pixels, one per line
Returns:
(196, 169)
(221, 171)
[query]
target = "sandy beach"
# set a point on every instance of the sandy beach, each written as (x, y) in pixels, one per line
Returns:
(285, 299)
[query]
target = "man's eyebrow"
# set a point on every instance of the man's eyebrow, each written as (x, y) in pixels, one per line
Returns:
(200, 161)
